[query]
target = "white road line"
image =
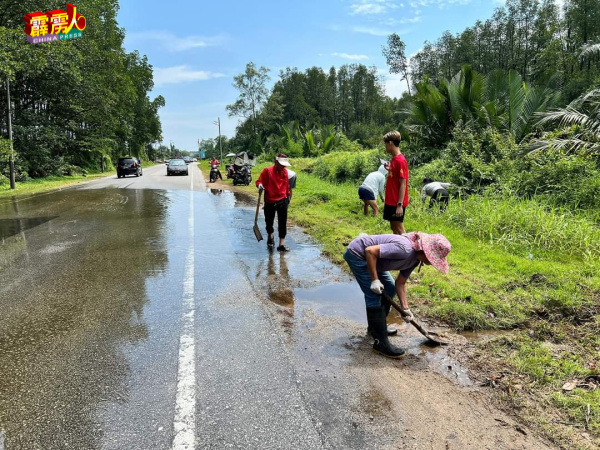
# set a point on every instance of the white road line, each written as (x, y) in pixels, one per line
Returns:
(185, 404)
(2, 437)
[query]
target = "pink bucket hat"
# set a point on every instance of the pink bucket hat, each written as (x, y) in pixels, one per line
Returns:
(435, 246)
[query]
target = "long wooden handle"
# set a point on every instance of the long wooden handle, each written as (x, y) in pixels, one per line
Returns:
(257, 208)
(397, 307)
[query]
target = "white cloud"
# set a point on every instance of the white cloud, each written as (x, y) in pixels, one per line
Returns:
(394, 85)
(181, 74)
(352, 57)
(173, 43)
(416, 19)
(372, 6)
(439, 3)
(379, 31)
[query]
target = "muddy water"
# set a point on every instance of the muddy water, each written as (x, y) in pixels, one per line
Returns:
(303, 285)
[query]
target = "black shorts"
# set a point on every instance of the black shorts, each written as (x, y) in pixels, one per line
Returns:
(365, 193)
(389, 213)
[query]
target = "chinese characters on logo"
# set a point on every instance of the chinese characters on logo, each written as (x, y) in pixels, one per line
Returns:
(54, 25)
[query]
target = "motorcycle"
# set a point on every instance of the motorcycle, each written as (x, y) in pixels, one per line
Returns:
(214, 173)
(242, 175)
(230, 171)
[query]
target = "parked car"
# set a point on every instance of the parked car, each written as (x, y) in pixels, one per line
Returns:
(129, 166)
(177, 167)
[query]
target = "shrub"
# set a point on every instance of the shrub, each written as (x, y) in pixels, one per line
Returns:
(346, 145)
(561, 179)
(340, 167)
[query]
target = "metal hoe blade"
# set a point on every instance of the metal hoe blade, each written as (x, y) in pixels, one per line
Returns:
(256, 230)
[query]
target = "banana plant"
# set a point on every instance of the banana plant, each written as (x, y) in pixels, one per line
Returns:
(310, 146)
(329, 137)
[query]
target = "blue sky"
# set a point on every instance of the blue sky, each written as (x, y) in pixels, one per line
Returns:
(197, 47)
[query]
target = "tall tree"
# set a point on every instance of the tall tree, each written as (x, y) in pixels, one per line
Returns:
(395, 56)
(252, 85)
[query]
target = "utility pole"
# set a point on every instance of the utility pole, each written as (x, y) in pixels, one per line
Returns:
(11, 160)
(218, 122)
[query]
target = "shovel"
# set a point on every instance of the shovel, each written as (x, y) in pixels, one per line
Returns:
(437, 338)
(255, 228)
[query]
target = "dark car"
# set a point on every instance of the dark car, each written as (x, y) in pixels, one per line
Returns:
(177, 167)
(129, 166)
(187, 159)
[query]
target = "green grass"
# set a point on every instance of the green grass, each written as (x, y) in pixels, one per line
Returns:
(40, 185)
(514, 264)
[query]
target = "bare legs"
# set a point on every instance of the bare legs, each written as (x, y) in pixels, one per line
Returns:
(397, 227)
(371, 204)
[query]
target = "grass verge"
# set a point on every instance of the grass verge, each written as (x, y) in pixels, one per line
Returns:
(53, 182)
(514, 265)
(40, 185)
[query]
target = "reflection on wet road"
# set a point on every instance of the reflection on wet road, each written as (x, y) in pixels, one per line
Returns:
(303, 280)
(73, 294)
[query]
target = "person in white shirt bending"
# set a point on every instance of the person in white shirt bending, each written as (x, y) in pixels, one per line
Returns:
(373, 186)
(437, 191)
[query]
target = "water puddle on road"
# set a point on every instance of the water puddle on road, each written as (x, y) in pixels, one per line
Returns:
(308, 288)
(10, 227)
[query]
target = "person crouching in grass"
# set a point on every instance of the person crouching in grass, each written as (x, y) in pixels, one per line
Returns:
(372, 187)
(372, 257)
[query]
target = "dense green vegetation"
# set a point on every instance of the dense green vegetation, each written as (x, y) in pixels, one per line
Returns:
(74, 102)
(534, 38)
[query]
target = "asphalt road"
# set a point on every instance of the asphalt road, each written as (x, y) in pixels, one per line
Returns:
(128, 323)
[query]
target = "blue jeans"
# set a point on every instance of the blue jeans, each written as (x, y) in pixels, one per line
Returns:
(360, 271)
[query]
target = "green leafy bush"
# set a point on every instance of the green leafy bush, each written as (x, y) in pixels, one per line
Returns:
(346, 145)
(340, 167)
(560, 179)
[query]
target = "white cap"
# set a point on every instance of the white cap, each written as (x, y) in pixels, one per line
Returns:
(283, 161)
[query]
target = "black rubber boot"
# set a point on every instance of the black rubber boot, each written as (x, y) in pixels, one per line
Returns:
(391, 331)
(377, 325)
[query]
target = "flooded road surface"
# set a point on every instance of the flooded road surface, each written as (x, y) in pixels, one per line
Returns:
(141, 313)
(303, 281)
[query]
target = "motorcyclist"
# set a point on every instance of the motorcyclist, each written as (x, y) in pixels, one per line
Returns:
(215, 162)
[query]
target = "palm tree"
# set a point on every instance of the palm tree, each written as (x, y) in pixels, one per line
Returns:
(510, 104)
(501, 100)
(581, 118)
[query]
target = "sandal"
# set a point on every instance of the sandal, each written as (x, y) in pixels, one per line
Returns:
(270, 244)
(283, 248)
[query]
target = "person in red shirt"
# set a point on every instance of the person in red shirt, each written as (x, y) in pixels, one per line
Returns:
(275, 182)
(215, 162)
(396, 189)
